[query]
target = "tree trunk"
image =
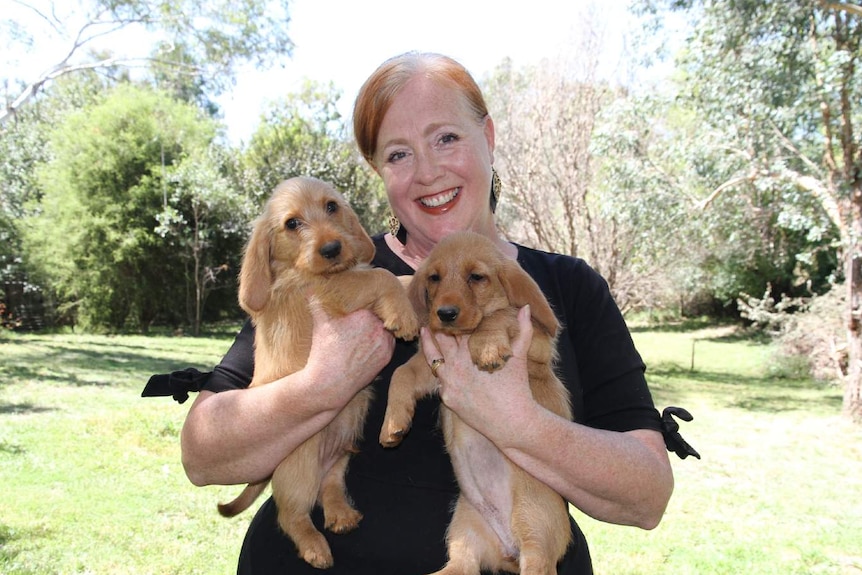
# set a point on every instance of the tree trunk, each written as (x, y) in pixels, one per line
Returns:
(852, 404)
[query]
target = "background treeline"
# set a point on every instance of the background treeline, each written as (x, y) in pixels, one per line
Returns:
(125, 208)
(732, 189)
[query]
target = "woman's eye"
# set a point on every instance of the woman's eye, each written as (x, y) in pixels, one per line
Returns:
(448, 138)
(292, 223)
(395, 156)
(331, 207)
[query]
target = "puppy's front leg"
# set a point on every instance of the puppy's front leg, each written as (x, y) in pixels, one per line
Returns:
(375, 289)
(491, 343)
(393, 306)
(410, 382)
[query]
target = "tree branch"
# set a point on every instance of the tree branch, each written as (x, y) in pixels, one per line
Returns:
(33, 88)
(703, 204)
(824, 197)
(853, 9)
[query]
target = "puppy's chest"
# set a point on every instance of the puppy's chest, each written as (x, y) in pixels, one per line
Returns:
(283, 341)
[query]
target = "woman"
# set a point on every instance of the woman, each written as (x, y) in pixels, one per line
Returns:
(421, 122)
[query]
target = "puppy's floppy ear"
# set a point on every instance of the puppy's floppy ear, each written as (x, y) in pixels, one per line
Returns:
(364, 246)
(417, 293)
(255, 276)
(521, 290)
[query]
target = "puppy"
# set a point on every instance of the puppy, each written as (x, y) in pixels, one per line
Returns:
(504, 519)
(309, 242)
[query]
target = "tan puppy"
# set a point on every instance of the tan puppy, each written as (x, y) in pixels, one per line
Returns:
(309, 242)
(504, 518)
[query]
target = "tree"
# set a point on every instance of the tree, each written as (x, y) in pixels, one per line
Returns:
(205, 218)
(781, 83)
(94, 239)
(657, 158)
(23, 148)
(303, 134)
(202, 40)
(565, 181)
(638, 148)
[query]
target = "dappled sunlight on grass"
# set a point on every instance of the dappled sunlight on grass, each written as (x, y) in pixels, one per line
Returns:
(94, 482)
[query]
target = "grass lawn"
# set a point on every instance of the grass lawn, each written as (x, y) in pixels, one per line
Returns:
(93, 482)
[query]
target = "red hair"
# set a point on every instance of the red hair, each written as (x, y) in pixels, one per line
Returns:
(386, 82)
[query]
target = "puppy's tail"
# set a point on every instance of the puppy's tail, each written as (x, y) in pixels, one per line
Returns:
(251, 492)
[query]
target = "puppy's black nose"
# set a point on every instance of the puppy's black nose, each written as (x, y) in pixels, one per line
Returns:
(331, 249)
(448, 313)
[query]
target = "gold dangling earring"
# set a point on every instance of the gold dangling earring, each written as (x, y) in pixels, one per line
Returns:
(394, 225)
(396, 229)
(496, 188)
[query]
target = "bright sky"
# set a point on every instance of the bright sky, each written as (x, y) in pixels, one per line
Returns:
(343, 41)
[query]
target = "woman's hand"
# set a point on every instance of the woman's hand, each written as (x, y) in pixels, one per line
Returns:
(241, 435)
(623, 478)
(481, 399)
(346, 353)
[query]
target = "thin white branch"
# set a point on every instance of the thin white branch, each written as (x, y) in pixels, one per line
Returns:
(824, 196)
(705, 203)
(854, 9)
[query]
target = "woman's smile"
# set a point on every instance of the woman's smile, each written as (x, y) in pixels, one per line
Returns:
(442, 202)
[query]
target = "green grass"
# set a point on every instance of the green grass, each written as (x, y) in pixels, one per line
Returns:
(93, 482)
(92, 474)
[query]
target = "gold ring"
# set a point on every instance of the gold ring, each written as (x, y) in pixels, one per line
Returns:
(435, 365)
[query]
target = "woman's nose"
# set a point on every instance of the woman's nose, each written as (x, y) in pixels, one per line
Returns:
(428, 169)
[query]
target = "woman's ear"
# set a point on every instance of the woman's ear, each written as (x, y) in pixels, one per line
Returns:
(490, 136)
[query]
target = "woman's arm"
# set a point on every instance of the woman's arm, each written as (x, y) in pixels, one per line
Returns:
(623, 478)
(240, 436)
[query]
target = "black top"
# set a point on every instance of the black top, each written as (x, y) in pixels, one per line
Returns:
(406, 493)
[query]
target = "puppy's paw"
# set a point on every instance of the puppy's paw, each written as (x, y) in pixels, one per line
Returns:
(489, 353)
(342, 520)
(393, 433)
(402, 322)
(403, 328)
(492, 362)
(315, 551)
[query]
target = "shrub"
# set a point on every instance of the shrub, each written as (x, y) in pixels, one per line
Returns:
(818, 334)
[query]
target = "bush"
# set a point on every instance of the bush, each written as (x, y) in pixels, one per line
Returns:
(818, 334)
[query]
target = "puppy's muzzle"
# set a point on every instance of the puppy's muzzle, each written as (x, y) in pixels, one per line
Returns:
(331, 250)
(448, 314)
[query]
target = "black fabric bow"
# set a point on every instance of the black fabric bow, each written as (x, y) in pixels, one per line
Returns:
(177, 384)
(670, 429)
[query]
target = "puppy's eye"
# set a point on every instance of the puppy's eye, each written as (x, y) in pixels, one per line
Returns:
(292, 223)
(434, 278)
(475, 278)
(331, 207)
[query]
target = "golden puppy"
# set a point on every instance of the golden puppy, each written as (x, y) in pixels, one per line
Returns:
(504, 519)
(308, 241)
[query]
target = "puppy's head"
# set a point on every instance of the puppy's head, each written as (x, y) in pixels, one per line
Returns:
(306, 228)
(465, 278)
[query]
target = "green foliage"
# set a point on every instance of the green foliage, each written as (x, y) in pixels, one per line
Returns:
(639, 148)
(23, 148)
(304, 135)
(755, 80)
(94, 239)
(203, 219)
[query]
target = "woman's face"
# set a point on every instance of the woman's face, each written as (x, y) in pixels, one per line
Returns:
(435, 160)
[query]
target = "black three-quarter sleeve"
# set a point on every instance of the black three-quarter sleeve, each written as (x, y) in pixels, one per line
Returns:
(237, 366)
